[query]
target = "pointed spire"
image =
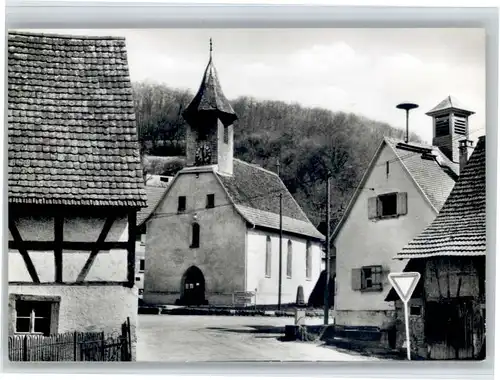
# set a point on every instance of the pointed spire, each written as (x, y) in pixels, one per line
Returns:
(209, 99)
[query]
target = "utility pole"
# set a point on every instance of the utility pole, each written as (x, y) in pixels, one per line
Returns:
(326, 300)
(281, 240)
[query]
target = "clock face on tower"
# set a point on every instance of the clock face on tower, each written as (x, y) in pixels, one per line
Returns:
(203, 154)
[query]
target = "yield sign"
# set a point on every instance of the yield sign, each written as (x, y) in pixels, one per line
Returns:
(404, 284)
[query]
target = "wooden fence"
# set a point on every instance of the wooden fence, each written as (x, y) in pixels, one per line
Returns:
(72, 346)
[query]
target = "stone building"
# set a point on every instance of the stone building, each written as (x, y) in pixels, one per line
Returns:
(447, 309)
(401, 193)
(215, 233)
(75, 185)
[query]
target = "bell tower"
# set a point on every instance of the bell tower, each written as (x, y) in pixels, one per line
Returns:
(451, 125)
(210, 118)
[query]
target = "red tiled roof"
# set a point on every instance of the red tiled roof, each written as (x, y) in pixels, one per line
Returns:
(72, 136)
(460, 227)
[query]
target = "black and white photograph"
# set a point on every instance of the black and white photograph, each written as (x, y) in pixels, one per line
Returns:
(239, 195)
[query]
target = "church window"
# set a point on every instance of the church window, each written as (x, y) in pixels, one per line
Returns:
(289, 260)
(308, 260)
(210, 200)
(226, 134)
(181, 206)
(195, 241)
(268, 257)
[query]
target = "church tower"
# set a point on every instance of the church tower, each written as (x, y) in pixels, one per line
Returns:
(451, 125)
(210, 118)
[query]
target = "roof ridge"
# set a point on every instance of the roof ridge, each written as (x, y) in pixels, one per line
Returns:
(66, 36)
(256, 166)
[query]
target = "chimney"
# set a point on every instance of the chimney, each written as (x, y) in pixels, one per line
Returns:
(465, 149)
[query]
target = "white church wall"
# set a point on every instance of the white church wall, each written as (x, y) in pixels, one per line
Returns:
(220, 256)
(267, 287)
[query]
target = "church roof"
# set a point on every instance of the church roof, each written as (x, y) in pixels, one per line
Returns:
(209, 99)
(154, 195)
(460, 227)
(72, 137)
(450, 102)
(255, 193)
(429, 168)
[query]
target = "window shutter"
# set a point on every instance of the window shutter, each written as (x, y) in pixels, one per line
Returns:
(372, 208)
(356, 278)
(54, 317)
(402, 203)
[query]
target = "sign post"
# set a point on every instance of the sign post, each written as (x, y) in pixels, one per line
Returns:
(404, 284)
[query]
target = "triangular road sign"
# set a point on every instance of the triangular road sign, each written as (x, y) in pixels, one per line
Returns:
(404, 283)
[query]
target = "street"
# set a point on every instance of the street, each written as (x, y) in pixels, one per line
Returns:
(171, 338)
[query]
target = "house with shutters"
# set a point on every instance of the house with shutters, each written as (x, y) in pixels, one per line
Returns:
(447, 308)
(401, 192)
(75, 185)
(215, 234)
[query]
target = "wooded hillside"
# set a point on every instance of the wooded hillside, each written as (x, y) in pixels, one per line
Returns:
(307, 141)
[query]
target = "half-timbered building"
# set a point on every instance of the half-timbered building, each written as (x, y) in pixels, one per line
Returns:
(447, 309)
(74, 184)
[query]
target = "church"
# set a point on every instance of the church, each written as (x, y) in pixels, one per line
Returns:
(216, 231)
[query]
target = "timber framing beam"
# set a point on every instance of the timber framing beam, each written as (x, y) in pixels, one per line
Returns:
(132, 229)
(23, 251)
(58, 248)
(69, 245)
(97, 247)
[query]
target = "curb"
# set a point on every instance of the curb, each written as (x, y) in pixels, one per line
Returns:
(219, 311)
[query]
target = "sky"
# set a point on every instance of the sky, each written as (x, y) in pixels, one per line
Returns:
(364, 71)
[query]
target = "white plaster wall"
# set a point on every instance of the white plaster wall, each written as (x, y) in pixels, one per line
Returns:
(225, 150)
(108, 265)
(89, 308)
(267, 287)
(139, 254)
(363, 242)
(221, 255)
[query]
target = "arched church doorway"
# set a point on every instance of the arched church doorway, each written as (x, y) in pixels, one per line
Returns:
(193, 287)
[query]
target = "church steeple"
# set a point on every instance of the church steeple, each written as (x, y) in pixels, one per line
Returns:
(209, 137)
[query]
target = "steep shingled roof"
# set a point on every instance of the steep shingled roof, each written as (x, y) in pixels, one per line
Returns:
(255, 194)
(209, 98)
(434, 173)
(460, 227)
(72, 135)
(154, 195)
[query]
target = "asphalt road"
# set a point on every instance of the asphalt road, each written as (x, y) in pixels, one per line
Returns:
(169, 338)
